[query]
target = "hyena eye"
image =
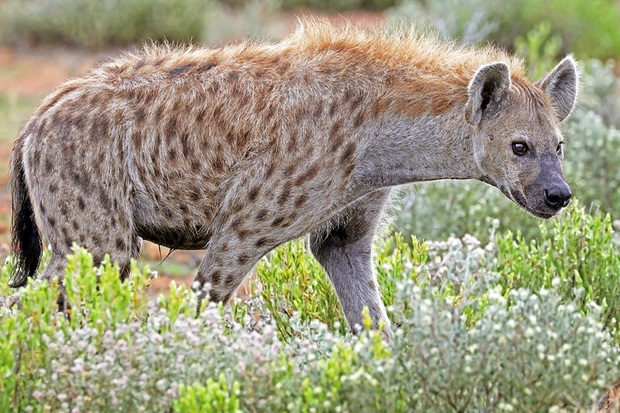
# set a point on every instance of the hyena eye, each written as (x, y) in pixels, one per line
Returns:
(519, 148)
(559, 148)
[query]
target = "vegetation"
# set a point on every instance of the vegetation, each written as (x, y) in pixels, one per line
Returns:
(465, 338)
(498, 312)
(587, 28)
(101, 23)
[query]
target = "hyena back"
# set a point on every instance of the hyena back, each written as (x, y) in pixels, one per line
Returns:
(239, 149)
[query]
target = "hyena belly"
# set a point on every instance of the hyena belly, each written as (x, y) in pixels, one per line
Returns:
(175, 211)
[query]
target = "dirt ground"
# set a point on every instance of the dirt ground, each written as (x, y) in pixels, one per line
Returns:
(33, 73)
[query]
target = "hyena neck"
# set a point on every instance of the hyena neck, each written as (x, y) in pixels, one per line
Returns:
(426, 148)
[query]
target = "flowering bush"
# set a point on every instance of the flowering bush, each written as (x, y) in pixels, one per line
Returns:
(464, 339)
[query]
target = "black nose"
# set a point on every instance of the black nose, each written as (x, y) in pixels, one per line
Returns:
(557, 196)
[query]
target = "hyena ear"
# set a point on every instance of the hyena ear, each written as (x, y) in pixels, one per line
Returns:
(560, 85)
(486, 89)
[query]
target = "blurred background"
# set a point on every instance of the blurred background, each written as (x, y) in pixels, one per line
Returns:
(44, 42)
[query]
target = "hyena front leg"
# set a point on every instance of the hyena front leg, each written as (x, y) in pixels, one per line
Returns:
(346, 254)
(223, 269)
(232, 251)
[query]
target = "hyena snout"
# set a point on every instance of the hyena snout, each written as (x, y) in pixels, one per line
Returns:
(557, 195)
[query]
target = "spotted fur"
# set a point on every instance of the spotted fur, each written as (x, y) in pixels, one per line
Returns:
(239, 149)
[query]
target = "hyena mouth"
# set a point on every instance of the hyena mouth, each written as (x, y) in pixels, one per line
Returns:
(518, 198)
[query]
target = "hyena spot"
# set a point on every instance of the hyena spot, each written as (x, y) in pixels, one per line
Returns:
(262, 214)
(254, 193)
(233, 76)
(301, 200)
(236, 223)
(216, 277)
(332, 108)
(284, 195)
(318, 112)
(270, 170)
(261, 242)
(292, 144)
(201, 115)
(277, 221)
(120, 244)
(243, 233)
(185, 145)
(347, 154)
(81, 204)
(231, 282)
(206, 66)
(359, 119)
(308, 175)
(195, 165)
(290, 169)
(178, 71)
(172, 154)
(105, 201)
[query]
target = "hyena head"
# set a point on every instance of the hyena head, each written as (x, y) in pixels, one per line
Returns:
(517, 141)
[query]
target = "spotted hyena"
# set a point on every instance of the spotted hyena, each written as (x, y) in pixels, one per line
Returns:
(239, 149)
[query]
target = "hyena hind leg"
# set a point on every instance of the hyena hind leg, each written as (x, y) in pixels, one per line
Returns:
(118, 241)
(56, 268)
(346, 254)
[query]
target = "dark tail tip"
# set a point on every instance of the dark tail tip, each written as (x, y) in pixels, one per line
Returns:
(26, 243)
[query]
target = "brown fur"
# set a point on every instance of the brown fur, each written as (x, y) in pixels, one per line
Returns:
(239, 149)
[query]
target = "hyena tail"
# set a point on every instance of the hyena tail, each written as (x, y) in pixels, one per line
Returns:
(26, 242)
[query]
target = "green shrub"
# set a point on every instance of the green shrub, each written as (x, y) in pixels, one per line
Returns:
(587, 28)
(101, 23)
(214, 397)
(593, 140)
(575, 255)
(293, 285)
(540, 47)
(465, 337)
